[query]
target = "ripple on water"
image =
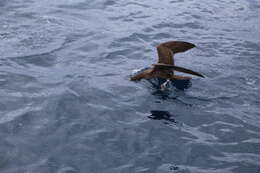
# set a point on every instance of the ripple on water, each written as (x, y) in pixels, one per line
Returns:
(24, 43)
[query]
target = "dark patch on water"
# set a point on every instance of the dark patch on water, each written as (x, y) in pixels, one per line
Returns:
(162, 115)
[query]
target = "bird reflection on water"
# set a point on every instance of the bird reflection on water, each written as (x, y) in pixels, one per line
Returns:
(162, 115)
(173, 87)
(178, 84)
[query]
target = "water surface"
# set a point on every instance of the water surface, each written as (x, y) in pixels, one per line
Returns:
(67, 105)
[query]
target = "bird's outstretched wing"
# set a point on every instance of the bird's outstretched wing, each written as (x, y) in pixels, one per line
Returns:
(176, 68)
(167, 50)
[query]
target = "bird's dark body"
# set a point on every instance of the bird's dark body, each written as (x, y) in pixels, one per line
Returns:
(157, 82)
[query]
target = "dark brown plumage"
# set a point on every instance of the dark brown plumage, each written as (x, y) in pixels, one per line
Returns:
(165, 67)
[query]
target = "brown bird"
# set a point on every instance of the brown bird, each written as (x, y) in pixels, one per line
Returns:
(165, 67)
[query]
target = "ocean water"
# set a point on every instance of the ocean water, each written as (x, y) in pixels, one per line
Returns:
(67, 105)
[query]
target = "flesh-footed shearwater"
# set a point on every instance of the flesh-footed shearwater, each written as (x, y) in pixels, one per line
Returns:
(165, 67)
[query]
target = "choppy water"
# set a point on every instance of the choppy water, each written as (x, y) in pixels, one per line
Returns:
(67, 105)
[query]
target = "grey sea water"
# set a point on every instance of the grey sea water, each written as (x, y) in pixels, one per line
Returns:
(67, 105)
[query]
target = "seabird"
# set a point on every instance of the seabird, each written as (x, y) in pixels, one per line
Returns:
(165, 67)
